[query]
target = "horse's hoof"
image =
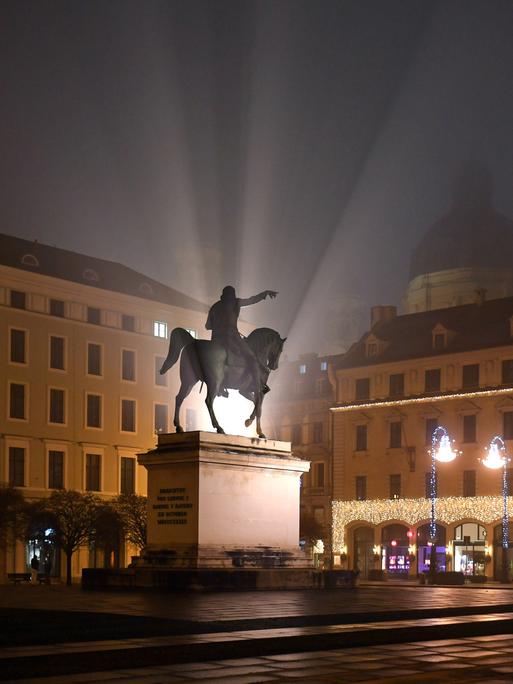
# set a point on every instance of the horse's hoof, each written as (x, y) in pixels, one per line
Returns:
(261, 436)
(248, 422)
(179, 428)
(220, 431)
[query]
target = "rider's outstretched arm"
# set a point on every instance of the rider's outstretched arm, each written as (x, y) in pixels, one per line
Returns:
(257, 298)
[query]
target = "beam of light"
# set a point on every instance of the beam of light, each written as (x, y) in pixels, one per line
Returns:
(231, 413)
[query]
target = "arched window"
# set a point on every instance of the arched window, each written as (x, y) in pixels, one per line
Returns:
(29, 260)
(91, 275)
(146, 289)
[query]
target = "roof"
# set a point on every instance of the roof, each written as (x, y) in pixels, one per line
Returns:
(472, 326)
(36, 257)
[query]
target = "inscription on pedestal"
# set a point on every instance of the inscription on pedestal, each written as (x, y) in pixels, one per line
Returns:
(173, 506)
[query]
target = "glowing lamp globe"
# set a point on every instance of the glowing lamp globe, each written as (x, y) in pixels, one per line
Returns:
(444, 452)
(495, 457)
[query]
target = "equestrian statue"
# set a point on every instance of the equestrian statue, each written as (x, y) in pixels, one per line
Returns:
(228, 360)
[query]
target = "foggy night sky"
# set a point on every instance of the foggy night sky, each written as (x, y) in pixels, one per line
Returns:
(283, 144)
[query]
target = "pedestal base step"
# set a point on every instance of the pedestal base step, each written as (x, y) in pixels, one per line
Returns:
(202, 579)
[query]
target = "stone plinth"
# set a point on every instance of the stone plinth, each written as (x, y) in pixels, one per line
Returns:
(221, 501)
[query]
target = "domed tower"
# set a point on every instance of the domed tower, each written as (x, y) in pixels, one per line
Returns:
(467, 253)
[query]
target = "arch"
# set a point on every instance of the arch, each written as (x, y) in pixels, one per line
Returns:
(29, 260)
(91, 275)
(395, 558)
(146, 289)
(425, 552)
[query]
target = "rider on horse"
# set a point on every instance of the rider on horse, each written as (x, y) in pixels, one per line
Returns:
(222, 320)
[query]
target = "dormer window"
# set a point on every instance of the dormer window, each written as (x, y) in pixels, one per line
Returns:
(440, 337)
(439, 341)
(30, 260)
(372, 349)
(374, 346)
(91, 275)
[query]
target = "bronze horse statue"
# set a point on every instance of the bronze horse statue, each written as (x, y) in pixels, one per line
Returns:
(210, 363)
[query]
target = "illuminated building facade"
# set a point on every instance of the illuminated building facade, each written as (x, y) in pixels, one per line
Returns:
(299, 408)
(82, 342)
(409, 374)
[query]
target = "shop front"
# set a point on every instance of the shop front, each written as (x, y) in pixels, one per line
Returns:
(363, 559)
(425, 549)
(469, 545)
(395, 555)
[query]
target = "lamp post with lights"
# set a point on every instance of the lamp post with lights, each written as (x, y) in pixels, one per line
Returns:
(442, 451)
(496, 458)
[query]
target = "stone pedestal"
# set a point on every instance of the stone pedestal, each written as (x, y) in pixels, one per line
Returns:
(220, 501)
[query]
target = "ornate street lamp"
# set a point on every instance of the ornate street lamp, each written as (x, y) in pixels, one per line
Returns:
(496, 458)
(441, 450)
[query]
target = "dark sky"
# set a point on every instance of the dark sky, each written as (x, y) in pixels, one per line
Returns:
(299, 146)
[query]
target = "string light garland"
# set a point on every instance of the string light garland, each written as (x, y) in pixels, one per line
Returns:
(451, 509)
(423, 400)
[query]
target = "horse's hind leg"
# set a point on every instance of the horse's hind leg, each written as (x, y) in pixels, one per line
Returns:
(185, 389)
(212, 390)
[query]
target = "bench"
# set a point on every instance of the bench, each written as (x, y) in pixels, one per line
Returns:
(18, 577)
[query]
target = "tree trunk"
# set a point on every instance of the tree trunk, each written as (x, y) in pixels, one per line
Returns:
(68, 567)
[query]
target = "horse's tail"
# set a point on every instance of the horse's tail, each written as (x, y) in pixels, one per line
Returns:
(178, 339)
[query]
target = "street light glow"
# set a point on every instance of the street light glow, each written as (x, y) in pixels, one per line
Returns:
(445, 453)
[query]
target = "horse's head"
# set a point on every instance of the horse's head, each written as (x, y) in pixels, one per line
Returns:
(275, 351)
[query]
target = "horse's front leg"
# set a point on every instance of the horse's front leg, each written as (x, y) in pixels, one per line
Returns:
(249, 420)
(209, 401)
(258, 412)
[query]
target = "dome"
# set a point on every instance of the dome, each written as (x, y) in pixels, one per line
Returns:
(471, 235)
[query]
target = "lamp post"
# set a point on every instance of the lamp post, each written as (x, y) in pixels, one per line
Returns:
(442, 451)
(496, 458)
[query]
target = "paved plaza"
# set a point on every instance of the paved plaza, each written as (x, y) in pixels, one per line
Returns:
(402, 633)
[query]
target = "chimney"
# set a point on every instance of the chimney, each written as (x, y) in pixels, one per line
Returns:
(480, 296)
(382, 313)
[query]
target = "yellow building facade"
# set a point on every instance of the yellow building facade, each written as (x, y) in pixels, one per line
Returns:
(408, 375)
(82, 342)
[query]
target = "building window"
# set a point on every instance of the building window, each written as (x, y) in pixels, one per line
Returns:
(18, 299)
(302, 369)
(160, 380)
(296, 434)
(396, 430)
(395, 486)
(94, 359)
(55, 469)
(18, 346)
(507, 424)
(192, 332)
(127, 323)
(361, 438)
(127, 415)
(432, 380)
(324, 366)
(16, 466)
(361, 487)
(29, 260)
(469, 483)
(57, 308)
(317, 433)
(160, 329)
(57, 403)
(128, 365)
(127, 484)
(428, 485)
(439, 341)
(318, 514)
(469, 428)
(17, 401)
(431, 425)
(94, 411)
(57, 353)
(318, 474)
(507, 372)
(362, 389)
(470, 376)
(191, 420)
(396, 385)
(161, 418)
(93, 315)
(93, 466)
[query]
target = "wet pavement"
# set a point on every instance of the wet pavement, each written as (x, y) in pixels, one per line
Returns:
(446, 634)
(480, 659)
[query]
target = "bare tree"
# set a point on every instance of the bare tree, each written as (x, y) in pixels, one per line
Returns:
(133, 511)
(108, 529)
(72, 516)
(310, 529)
(12, 513)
